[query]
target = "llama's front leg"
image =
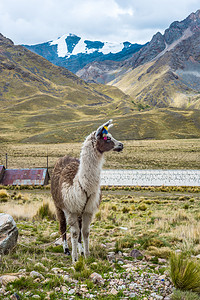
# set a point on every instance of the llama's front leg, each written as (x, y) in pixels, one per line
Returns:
(73, 222)
(80, 247)
(86, 220)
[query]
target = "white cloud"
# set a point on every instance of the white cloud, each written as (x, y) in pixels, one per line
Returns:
(35, 21)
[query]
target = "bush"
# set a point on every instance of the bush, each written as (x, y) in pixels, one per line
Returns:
(185, 273)
(45, 212)
(3, 195)
(125, 210)
(142, 207)
(98, 216)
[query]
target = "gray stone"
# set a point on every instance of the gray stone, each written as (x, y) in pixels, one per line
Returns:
(15, 296)
(8, 233)
(72, 291)
(35, 274)
(136, 253)
(96, 278)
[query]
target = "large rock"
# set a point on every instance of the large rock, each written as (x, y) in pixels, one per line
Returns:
(8, 233)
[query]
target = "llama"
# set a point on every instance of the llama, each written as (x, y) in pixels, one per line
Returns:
(75, 188)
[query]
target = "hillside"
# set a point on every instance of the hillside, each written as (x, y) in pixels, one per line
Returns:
(43, 103)
(171, 78)
(163, 73)
(37, 96)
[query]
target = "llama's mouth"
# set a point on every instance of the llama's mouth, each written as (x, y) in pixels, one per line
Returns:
(119, 147)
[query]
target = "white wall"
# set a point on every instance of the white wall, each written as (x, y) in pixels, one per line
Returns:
(151, 177)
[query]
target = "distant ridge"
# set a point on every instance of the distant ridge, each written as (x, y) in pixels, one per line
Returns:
(74, 52)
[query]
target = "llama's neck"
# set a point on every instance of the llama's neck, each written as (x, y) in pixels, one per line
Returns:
(91, 161)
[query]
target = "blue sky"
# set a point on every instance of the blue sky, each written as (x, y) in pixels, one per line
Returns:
(36, 21)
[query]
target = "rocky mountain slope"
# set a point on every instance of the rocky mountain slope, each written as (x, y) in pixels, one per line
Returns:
(73, 52)
(165, 72)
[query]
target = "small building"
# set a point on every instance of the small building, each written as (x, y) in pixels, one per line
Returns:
(37, 176)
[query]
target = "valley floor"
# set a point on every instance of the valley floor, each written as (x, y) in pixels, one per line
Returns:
(137, 154)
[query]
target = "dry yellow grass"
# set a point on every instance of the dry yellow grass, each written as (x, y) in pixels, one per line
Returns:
(26, 211)
(148, 154)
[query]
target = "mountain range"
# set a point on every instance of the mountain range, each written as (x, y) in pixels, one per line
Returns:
(74, 52)
(152, 93)
(164, 72)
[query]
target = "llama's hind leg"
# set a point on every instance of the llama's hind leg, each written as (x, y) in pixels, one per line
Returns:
(80, 247)
(86, 220)
(63, 226)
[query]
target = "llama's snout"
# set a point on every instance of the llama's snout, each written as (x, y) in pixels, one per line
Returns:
(119, 147)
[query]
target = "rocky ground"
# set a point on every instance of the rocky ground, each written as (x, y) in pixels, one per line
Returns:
(130, 278)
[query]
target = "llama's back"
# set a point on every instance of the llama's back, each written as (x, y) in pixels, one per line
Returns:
(64, 171)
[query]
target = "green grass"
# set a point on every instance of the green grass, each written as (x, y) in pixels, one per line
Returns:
(180, 295)
(185, 273)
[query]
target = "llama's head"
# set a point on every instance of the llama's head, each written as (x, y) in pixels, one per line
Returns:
(105, 141)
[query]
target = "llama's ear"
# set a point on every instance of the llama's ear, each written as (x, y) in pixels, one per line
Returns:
(104, 127)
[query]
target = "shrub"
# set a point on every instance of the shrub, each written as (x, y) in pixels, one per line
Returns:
(19, 196)
(185, 273)
(163, 252)
(114, 207)
(142, 207)
(80, 264)
(81, 270)
(45, 212)
(186, 206)
(98, 251)
(125, 209)
(132, 207)
(98, 216)
(3, 195)
(125, 242)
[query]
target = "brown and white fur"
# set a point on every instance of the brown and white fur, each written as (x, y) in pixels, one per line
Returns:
(75, 188)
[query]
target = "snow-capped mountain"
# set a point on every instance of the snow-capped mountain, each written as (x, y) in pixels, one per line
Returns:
(68, 45)
(74, 52)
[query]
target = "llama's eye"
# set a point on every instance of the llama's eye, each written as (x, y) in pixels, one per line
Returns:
(108, 139)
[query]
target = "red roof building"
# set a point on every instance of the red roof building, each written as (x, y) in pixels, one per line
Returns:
(39, 176)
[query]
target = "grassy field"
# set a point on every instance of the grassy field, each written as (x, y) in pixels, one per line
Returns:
(149, 154)
(155, 223)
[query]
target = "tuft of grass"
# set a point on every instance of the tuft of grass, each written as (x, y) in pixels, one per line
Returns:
(184, 295)
(125, 209)
(142, 207)
(185, 273)
(163, 252)
(4, 195)
(45, 212)
(125, 242)
(81, 271)
(80, 264)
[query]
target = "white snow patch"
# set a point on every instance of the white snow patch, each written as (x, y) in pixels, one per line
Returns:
(81, 47)
(62, 46)
(111, 48)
